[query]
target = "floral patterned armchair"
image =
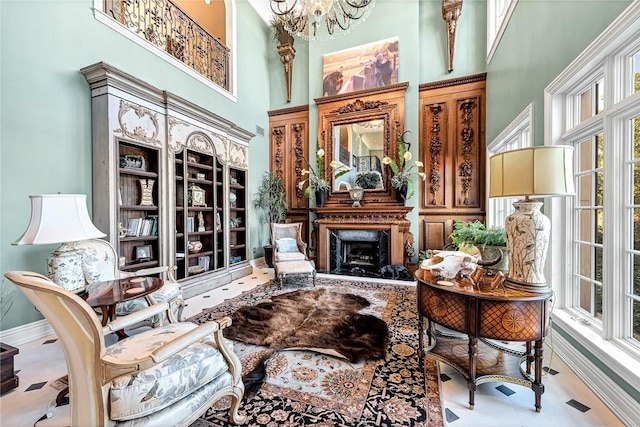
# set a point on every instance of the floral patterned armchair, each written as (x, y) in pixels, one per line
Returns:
(168, 375)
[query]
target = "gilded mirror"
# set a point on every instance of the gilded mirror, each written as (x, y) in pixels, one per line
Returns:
(356, 131)
(359, 147)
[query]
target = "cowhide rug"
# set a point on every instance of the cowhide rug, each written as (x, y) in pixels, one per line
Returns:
(319, 320)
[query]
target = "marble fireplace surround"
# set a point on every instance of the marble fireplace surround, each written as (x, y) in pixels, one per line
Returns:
(390, 219)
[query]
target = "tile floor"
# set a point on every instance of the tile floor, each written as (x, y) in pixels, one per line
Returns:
(566, 401)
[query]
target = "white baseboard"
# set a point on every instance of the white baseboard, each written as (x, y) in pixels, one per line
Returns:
(616, 399)
(23, 334)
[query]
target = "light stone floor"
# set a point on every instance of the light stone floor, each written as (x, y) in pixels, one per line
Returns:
(567, 401)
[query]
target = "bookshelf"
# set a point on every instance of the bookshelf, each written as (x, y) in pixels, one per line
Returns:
(164, 170)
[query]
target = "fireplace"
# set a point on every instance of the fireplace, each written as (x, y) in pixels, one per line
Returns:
(360, 240)
(358, 252)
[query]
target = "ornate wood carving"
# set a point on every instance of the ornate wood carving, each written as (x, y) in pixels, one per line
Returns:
(298, 149)
(435, 151)
(359, 105)
(467, 137)
(278, 135)
(145, 126)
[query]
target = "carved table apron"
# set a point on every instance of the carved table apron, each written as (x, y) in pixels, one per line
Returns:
(480, 316)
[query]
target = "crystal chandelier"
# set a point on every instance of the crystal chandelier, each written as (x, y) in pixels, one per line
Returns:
(320, 19)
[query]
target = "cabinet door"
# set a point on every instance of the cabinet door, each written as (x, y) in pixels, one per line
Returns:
(237, 216)
(138, 211)
(452, 148)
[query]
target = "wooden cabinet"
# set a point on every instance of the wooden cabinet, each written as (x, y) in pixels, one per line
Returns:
(452, 148)
(175, 171)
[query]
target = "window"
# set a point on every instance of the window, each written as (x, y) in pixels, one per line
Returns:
(498, 15)
(517, 135)
(594, 106)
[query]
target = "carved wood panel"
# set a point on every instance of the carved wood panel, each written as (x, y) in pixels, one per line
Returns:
(289, 146)
(452, 147)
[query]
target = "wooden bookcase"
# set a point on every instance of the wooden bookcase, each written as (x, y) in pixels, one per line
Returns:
(173, 166)
(199, 235)
(237, 216)
(138, 209)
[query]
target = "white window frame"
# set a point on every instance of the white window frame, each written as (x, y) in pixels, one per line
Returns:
(608, 340)
(498, 15)
(518, 134)
(231, 39)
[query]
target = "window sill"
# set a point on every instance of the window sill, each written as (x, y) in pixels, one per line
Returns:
(608, 355)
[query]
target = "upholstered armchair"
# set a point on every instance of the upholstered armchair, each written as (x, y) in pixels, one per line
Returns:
(100, 263)
(168, 375)
(287, 242)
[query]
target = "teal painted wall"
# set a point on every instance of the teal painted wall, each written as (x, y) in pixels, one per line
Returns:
(46, 109)
(542, 38)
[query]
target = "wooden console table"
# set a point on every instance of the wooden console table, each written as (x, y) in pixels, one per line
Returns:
(479, 316)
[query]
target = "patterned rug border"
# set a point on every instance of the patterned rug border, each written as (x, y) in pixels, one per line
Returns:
(385, 397)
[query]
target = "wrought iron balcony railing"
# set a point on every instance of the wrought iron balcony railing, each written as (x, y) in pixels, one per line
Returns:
(168, 27)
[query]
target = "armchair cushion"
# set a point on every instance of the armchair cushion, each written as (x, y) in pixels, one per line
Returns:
(287, 244)
(289, 256)
(146, 392)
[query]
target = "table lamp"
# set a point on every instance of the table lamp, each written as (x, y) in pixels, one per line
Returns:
(57, 218)
(543, 171)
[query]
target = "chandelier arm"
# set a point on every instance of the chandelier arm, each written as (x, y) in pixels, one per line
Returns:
(359, 12)
(278, 12)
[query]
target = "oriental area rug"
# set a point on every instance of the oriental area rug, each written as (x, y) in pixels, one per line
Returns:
(311, 388)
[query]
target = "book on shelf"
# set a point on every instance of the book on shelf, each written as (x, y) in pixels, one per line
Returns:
(143, 226)
(133, 227)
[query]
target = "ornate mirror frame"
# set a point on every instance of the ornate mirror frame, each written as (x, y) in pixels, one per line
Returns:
(385, 103)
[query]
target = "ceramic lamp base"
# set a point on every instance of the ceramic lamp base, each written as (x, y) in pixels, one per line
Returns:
(527, 232)
(65, 268)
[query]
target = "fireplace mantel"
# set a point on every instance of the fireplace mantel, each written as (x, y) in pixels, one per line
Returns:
(388, 218)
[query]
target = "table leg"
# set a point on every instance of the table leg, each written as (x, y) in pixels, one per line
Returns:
(537, 386)
(420, 338)
(471, 384)
(109, 314)
(530, 357)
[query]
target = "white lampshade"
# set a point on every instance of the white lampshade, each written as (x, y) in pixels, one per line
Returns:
(537, 171)
(57, 218)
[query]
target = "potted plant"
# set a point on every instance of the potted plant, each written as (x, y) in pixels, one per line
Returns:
(490, 243)
(402, 179)
(318, 177)
(270, 201)
(279, 32)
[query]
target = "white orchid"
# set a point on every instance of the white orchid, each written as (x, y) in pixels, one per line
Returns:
(402, 177)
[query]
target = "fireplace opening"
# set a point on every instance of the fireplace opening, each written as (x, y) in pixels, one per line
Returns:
(358, 252)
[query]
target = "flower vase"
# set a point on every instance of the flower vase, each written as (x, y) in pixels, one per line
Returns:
(321, 196)
(401, 195)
